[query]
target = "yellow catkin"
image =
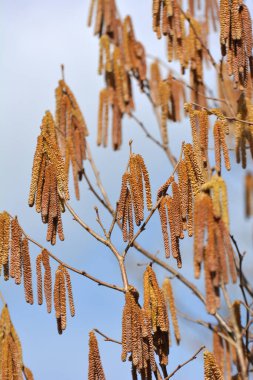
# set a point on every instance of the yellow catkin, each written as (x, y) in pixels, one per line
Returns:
(168, 291)
(211, 369)
(194, 170)
(219, 194)
(95, 371)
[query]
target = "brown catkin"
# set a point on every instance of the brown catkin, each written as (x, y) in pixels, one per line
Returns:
(27, 271)
(137, 335)
(62, 290)
(174, 239)
(11, 358)
(248, 191)
(211, 369)
(15, 261)
(95, 371)
(35, 170)
(210, 294)
(70, 294)
(39, 279)
(162, 209)
(47, 280)
(28, 374)
(145, 175)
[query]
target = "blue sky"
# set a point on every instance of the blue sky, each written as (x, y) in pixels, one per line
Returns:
(36, 38)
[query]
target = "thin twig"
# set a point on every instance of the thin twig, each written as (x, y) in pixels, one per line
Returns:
(152, 138)
(2, 298)
(184, 363)
(106, 338)
(207, 325)
(107, 242)
(98, 219)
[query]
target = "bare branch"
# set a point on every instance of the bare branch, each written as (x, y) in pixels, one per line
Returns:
(107, 338)
(184, 363)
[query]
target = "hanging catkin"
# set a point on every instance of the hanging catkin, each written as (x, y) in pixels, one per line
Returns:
(212, 247)
(5, 229)
(134, 181)
(236, 40)
(170, 213)
(46, 283)
(11, 359)
(155, 307)
(220, 130)
(61, 285)
(244, 131)
(137, 337)
(27, 271)
(211, 369)
(49, 183)
(248, 194)
(95, 371)
(168, 292)
(71, 131)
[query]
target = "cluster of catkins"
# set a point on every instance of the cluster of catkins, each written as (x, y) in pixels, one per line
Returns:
(121, 56)
(244, 131)
(211, 368)
(11, 357)
(224, 352)
(212, 244)
(169, 20)
(145, 330)
(200, 130)
(236, 40)
(14, 254)
(60, 143)
(168, 95)
(131, 201)
(95, 371)
(16, 263)
(62, 285)
(49, 186)
(71, 132)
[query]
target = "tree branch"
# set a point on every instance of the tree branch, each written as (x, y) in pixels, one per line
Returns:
(184, 363)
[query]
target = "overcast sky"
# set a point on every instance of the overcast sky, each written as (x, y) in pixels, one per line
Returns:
(36, 38)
